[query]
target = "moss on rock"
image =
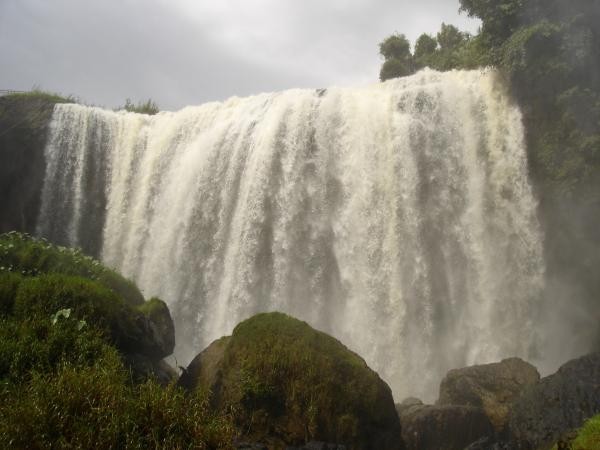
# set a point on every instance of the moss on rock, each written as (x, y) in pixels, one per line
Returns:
(287, 384)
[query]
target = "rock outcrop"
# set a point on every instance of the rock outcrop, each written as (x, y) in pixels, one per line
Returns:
(559, 403)
(289, 385)
(441, 427)
(492, 387)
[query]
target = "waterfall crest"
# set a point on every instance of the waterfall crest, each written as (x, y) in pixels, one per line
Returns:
(398, 217)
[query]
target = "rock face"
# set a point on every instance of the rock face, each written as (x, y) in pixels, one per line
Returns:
(290, 385)
(559, 403)
(24, 121)
(492, 387)
(437, 427)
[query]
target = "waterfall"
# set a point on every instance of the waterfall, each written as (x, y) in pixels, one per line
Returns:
(397, 217)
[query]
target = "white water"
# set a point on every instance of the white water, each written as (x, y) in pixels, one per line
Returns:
(397, 217)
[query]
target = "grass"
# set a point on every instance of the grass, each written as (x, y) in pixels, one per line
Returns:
(92, 406)
(148, 107)
(588, 436)
(39, 94)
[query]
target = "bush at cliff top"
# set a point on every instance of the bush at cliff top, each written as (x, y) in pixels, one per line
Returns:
(286, 384)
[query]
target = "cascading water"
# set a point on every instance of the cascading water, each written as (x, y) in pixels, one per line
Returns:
(397, 217)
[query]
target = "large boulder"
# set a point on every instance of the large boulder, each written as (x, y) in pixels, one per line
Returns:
(493, 387)
(288, 385)
(559, 403)
(442, 427)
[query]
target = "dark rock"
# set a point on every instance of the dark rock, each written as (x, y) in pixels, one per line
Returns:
(157, 325)
(488, 443)
(290, 386)
(547, 412)
(250, 446)
(316, 445)
(493, 387)
(23, 123)
(408, 404)
(443, 427)
(204, 371)
(142, 367)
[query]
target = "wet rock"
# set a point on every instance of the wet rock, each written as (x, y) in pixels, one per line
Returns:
(492, 387)
(442, 427)
(559, 403)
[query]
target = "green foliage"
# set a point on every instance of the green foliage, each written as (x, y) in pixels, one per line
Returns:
(398, 58)
(34, 345)
(500, 17)
(9, 284)
(449, 38)
(41, 95)
(588, 436)
(425, 46)
(20, 253)
(395, 46)
(63, 340)
(394, 68)
(148, 107)
(450, 49)
(38, 278)
(91, 406)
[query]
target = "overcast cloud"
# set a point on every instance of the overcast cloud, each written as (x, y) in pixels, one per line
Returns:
(181, 52)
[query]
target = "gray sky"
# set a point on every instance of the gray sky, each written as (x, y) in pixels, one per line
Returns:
(181, 52)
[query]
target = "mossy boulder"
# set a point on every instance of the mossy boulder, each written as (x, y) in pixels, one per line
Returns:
(39, 280)
(288, 384)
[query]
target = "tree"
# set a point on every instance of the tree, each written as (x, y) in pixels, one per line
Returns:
(426, 45)
(425, 51)
(450, 38)
(395, 46)
(394, 68)
(398, 58)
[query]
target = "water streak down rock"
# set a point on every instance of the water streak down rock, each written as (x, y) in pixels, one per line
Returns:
(397, 217)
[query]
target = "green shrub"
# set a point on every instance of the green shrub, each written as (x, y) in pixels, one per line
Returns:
(35, 345)
(28, 256)
(148, 107)
(588, 437)
(9, 284)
